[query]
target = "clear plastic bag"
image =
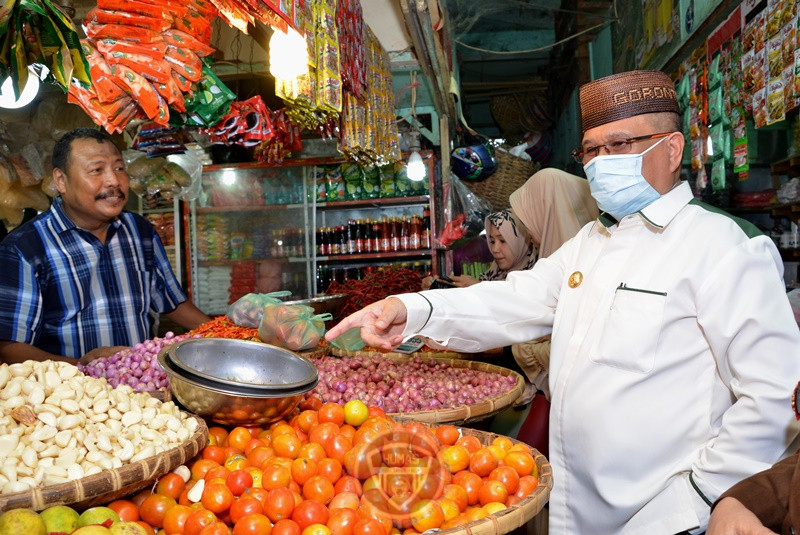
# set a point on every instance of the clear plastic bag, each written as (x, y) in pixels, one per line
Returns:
(294, 327)
(248, 310)
(464, 214)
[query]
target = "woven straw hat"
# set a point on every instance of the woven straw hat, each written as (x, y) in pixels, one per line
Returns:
(624, 95)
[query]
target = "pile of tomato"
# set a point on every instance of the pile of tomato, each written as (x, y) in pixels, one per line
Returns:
(335, 471)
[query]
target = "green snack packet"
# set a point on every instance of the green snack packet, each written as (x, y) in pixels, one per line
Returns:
(335, 184)
(353, 181)
(210, 99)
(371, 182)
(718, 176)
(402, 185)
(320, 184)
(387, 186)
(716, 105)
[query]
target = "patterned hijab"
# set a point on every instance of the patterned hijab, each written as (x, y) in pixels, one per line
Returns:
(516, 236)
(553, 205)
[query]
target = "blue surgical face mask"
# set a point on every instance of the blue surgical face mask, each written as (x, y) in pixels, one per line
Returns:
(617, 184)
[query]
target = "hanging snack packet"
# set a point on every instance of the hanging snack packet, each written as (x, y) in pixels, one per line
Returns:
(184, 62)
(185, 41)
(103, 81)
(210, 99)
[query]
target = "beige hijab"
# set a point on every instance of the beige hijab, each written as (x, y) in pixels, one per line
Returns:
(553, 205)
(516, 236)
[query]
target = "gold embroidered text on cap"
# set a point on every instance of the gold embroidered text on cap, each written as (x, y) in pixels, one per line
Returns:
(624, 95)
(575, 279)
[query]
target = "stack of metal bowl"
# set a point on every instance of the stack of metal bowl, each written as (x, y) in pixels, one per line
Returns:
(237, 382)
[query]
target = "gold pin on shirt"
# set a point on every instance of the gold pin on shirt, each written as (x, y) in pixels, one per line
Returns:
(575, 279)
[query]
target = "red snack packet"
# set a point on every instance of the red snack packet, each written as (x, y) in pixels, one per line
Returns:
(184, 62)
(155, 49)
(185, 41)
(104, 16)
(118, 31)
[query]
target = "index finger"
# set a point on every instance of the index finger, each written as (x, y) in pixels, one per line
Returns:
(353, 320)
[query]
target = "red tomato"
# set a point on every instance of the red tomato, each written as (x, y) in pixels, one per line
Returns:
(214, 453)
(154, 507)
(217, 498)
(197, 520)
(331, 412)
(368, 526)
(245, 506)
(330, 469)
(286, 526)
(141, 496)
(255, 524)
(171, 485)
(342, 521)
(239, 481)
(258, 494)
(348, 484)
(280, 504)
(126, 509)
(319, 489)
(310, 512)
(175, 518)
(217, 528)
(336, 446)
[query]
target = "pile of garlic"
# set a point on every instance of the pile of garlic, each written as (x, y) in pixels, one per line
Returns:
(58, 425)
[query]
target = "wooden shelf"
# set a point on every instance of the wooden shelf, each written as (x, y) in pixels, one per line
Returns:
(263, 165)
(790, 254)
(374, 256)
(786, 166)
(237, 209)
(229, 262)
(375, 203)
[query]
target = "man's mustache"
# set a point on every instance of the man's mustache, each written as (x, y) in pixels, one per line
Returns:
(116, 192)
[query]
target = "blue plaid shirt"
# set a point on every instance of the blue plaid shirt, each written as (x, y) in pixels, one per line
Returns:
(65, 292)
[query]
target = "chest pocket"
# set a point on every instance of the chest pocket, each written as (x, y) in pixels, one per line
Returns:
(632, 331)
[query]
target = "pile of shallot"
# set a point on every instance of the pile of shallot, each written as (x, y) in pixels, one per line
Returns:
(136, 366)
(405, 386)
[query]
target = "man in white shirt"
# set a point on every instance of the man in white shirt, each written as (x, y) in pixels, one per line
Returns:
(674, 349)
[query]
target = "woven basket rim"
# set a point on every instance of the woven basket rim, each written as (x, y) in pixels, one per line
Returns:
(511, 173)
(464, 413)
(122, 481)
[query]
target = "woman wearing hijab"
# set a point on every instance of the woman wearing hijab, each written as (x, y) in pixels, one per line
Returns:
(553, 205)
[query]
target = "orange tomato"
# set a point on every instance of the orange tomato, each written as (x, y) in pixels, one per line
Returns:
(287, 445)
(336, 446)
(470, 442)
(259, 494)
(321, 432)
(253, 443)
(454, 458)
(492, 491)
(236, 462)
(217, 528)
(275, 476)
(426, 514)
(239, 481)
(316, 529)
(201, 467)
(475, 513)
(482, 462)
(154, 507)
(369, 526)
(376, 412)
(147, 527)
(125, 509)
(254, 524)
(175, 518)
(331, 412)
(215, 453)
(507, 476)
(280, 504)
(312, 450)
(342, 521)
(330, 469)
(286, 526)
(471, 482)
(303, 469)
(447, 434)
(348, 484)
(259, 455)
(450, 508)
(238, 438)
(457, 495)
(197, 520)
(347, 430)
(282, 428)
(344, 500)
(219, 434)
(318, 488)
(217, 472)
(245, 506)
(526, 485)
(504, 442)
(217, 498)
(310, 512)
(306, 420)
(520, 461)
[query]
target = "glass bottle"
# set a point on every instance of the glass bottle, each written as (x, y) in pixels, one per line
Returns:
(425, 239)
(386, 243)
(405, 238)
(394, 235)
(415, 233)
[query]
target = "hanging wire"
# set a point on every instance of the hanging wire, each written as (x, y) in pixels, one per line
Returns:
(541, 48)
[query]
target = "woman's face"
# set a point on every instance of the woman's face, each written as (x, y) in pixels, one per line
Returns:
(501, 251)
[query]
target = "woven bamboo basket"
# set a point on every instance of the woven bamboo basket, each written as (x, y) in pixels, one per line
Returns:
(511, 173)
(518, 515)
(108, 485)
(464, 413)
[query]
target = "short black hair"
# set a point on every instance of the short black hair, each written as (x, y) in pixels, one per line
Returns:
(63, 147)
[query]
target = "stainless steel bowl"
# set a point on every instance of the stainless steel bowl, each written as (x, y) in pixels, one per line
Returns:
(230, 405)
(325, 303)
(241, 363)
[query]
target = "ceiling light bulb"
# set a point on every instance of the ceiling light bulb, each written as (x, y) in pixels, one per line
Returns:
(9, 100)
(416, 167)
(288, 54)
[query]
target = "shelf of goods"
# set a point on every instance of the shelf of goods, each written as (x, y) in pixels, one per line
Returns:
(163, 216)
(261, 228)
